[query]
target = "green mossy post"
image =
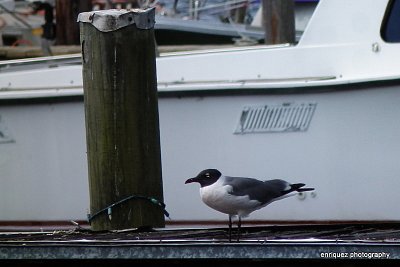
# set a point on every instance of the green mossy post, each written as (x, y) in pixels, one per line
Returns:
(278, 21)
(121, 110)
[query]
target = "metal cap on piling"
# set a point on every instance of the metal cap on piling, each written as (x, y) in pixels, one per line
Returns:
(113, 19)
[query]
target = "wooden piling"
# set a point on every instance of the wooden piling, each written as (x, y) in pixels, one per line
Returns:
(122, 127)
(278, 20)
(66, 14)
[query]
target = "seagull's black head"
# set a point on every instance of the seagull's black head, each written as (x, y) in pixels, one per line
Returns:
(206, 177)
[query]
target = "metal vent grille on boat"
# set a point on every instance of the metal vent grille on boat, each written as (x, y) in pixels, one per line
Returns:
(286, 117)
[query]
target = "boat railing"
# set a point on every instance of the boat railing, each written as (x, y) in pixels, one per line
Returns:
(43, 62)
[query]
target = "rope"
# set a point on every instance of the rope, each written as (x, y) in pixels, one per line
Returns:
(135, 197)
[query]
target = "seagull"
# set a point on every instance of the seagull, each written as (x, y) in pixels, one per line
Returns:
(240, 196)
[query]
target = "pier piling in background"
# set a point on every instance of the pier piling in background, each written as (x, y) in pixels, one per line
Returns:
(121, 110)
(278, 21)
(66, 13)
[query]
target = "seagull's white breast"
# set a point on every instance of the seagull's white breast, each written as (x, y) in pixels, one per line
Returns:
(217, 196)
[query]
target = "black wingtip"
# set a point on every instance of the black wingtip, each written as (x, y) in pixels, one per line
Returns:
(305, 189)
(297, 187)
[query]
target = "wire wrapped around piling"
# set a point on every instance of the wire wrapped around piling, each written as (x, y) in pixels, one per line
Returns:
(109, 208)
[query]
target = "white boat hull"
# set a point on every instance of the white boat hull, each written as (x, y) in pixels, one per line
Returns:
(347, 147)
(349, 153)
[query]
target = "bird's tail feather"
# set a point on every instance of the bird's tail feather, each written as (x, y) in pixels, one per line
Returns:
(305, 189)
(298, 188)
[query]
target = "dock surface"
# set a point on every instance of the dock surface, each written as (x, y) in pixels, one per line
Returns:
(316, 242)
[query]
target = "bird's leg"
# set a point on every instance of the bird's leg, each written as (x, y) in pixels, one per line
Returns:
(239, 225)
(230, 228)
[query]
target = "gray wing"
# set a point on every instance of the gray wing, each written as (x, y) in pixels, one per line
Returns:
(257, 190)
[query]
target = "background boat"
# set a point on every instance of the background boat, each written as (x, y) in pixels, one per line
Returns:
(323, 111)
(210, 22)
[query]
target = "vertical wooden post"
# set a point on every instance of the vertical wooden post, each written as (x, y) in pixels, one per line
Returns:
(122, 127)
(278, 20)
(66, 14)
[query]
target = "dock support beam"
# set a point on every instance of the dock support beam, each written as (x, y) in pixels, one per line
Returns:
(121, 110)
(278, 21)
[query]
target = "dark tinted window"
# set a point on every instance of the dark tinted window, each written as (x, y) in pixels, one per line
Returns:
(391, 25)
